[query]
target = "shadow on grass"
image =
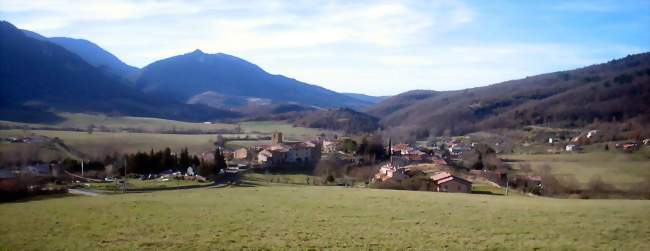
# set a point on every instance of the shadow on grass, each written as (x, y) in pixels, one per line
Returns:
(24, 199)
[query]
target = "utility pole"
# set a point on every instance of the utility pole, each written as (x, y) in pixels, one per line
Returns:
(82, 167)
(124, 179)
(507, 186)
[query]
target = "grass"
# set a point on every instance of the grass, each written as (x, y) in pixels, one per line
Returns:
(98, 144)
(284, 217)
(146, 184)
(83, 120)
(101, 143)
(619, 169)
(288, 130)
(296, 179)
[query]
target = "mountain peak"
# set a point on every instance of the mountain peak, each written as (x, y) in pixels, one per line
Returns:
(198, 51)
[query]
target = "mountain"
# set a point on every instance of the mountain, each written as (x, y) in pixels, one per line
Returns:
(38, 78)
(91, 53)
(197, 76)
(398, 102)
(616, 92)
(366, 98)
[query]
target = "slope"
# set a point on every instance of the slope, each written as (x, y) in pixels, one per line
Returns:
(185, 76)
(613, 92)
(37, 77)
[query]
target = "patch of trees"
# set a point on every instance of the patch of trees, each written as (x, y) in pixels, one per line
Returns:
(163, 160)
(342, 119)
(482, 157)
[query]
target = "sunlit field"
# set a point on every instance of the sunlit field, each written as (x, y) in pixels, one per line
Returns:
(280, 217)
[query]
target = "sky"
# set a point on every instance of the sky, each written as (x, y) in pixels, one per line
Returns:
(370, 47)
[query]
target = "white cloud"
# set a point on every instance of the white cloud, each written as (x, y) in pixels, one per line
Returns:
(377, 47)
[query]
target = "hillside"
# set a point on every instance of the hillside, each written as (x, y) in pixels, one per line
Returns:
(91, 53)
(367, 98)
(37, 77)
(616, 91)
(283, 217)
(341, 119)
(200, 77)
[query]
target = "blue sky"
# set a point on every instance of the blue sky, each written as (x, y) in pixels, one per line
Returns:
(372, 47)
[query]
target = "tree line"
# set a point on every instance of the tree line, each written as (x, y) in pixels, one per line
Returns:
(154, 162)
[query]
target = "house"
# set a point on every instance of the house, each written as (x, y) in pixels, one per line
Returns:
(572, 148)
(300, 152)
(227, 154)
(241, 154)
(445, 182)
(457, 150)
(330, 146)
(628, 146)
(402, 149)
(391, 171)
(288, 152)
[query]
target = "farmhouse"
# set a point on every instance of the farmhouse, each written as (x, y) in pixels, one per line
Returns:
(402, 149)
(572, 148)
(391, 171)
(281, 152)
(330, 146)
(445, 182)
(241, 154)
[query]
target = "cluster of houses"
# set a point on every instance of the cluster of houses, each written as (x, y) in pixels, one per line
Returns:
(25, 140)
(442, 181)
(278, 153)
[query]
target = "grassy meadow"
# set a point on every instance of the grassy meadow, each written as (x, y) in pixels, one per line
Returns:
(282, 217)
(289, 131)
(117, 123)
(98, 144)
(147, 184)
(622, 170)
(101, 143)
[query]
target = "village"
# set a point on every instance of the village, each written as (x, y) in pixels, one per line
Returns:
(453, 164)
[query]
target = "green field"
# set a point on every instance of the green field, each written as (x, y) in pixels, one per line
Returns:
(616, 168)
(146, 184)
(289, 131)
(101, 143)
(283, 217)
(98, 144)
(118, 123)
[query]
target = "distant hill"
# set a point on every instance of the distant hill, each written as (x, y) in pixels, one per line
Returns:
(198, 77)
(613, 92)
(38, 77)
(367, 98)
(91, 53)
(398, 102)
(341, 119)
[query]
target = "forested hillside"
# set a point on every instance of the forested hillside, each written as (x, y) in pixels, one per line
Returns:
(616, 92)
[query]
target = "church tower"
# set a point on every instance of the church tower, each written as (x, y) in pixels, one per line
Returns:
(277, 138)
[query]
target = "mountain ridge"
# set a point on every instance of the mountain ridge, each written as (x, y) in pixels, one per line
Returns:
(613, 92)
(184, 76)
